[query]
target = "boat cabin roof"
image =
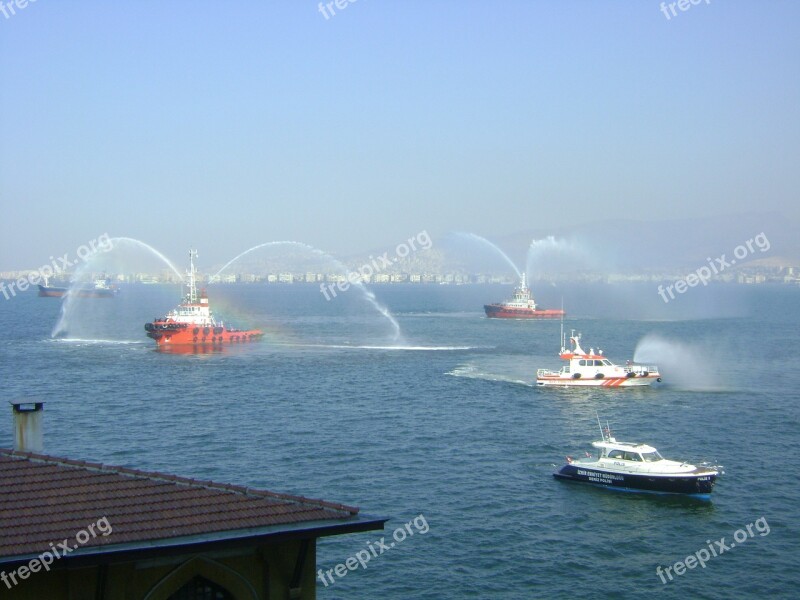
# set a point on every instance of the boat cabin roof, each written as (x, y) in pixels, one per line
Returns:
(573, 356)
(613, 444)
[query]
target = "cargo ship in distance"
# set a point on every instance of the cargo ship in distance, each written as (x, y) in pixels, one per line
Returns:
(193, 324)
(99, 289)
(521, 306)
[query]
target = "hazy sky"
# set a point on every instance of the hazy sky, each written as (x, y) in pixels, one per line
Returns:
(222, 125)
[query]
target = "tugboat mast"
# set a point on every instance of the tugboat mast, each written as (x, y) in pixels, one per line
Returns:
(192, 296)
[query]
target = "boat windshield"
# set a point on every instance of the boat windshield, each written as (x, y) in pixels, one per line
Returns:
(652, 456)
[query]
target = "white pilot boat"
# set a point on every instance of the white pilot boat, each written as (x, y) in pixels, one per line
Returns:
(638, 467)
(594, 369)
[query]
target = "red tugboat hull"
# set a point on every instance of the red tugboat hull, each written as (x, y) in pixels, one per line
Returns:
(183, 334)
(498, 311)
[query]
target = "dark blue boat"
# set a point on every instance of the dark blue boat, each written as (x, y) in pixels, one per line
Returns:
(640, 467)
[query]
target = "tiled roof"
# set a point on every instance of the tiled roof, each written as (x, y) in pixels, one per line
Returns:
(44, 499)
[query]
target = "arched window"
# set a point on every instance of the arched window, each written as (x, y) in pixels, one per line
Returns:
(200, 588)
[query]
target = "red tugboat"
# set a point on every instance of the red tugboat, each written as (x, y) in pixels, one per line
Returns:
(192, 324)
(521, 306)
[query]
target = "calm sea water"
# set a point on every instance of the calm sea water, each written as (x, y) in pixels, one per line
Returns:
(445, 422)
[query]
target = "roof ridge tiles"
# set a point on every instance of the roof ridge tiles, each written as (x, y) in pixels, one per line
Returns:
(176, 479)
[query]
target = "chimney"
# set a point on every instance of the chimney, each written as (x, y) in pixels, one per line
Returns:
(28, 426)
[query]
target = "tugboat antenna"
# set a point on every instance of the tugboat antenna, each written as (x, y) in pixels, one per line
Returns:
(192, 284)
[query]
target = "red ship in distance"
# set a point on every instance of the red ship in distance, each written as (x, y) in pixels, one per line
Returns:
(521, 306)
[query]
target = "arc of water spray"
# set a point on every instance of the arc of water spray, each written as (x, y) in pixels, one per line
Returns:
(249, 250)
(533, 248)
(60, 326)
(559, 249)
(356, 283)
(486, 242)
(151, 249)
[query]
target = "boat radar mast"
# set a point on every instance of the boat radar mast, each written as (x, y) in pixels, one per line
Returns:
(191, 297)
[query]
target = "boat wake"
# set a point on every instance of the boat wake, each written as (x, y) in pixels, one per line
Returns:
(407, 348)
(474, 372)
(440, 315)
(81, 341)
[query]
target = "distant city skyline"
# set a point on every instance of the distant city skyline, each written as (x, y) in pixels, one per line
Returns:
(611, 248)
(603, 247)
(220, 127)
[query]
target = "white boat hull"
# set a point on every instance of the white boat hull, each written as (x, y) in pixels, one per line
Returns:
(607, 382)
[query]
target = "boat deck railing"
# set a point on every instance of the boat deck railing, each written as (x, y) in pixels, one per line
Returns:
(638, 369)
(548, 373)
